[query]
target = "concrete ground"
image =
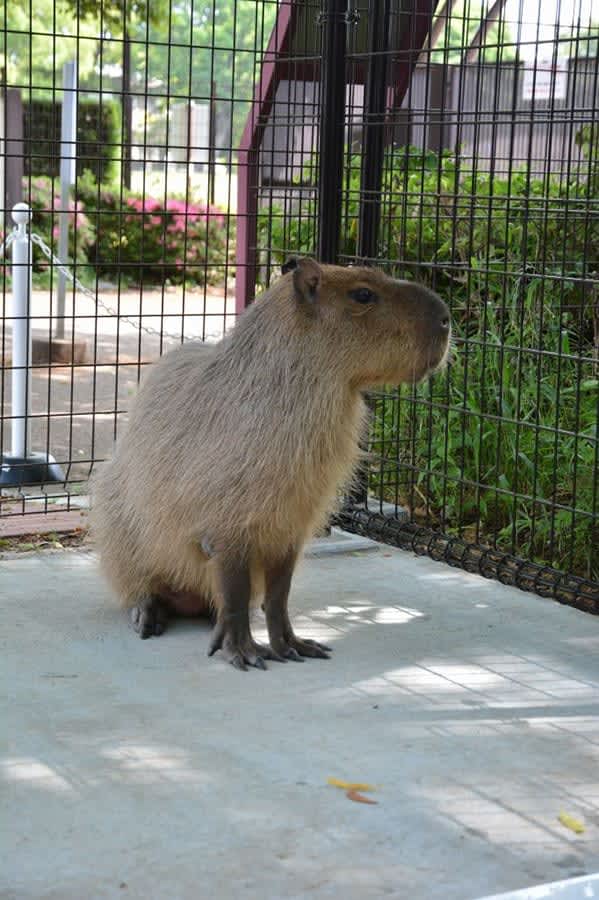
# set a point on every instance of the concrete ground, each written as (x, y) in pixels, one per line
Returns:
(146, 770)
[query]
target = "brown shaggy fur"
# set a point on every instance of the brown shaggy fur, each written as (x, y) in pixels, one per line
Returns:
(244, 446)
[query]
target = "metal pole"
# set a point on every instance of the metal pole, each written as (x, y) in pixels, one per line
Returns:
(211, 146)
(68, 157)
(21, 331)
(373, 154)
(334, 19)
(373, 149)
(127, 148)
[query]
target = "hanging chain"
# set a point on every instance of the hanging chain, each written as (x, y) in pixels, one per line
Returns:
(136, 322)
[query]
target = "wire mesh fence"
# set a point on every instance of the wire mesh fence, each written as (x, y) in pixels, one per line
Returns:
(162, 94)
(483, 183)
(454, 144)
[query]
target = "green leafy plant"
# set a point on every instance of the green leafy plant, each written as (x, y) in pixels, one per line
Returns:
(98, 138)
(502, 448)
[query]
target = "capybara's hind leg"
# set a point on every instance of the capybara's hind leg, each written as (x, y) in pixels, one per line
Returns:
(232, 635)
(283, 640)
(149, 617)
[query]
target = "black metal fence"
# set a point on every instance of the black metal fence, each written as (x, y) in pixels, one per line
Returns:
(458, 146)
(475, 169)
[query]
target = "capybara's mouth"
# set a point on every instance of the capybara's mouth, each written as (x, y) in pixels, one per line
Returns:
(433, 363)
(445, 360)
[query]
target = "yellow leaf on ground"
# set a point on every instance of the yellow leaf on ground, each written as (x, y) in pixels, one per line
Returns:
(571, 823)
(350, 785)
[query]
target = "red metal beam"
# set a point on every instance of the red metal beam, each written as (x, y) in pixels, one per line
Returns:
(248, 155)
(276, 67)
(411, 42)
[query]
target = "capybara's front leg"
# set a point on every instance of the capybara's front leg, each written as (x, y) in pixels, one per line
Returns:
(283, 640)
(232, 635)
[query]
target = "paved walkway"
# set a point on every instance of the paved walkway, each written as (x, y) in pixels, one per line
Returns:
(146, 770)
(75, 409)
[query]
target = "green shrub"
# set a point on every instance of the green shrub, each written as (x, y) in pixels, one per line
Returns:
(502, 448)
(98, 138)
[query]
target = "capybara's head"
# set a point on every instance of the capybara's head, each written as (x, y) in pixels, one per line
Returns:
(387, 331)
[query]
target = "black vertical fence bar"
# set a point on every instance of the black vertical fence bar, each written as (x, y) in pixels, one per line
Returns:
(334, 21)
(371, 171)
(373, 150)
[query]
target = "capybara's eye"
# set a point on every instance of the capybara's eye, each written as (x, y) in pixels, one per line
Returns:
(363, 295)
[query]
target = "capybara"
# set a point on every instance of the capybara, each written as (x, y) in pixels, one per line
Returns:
(236, 453)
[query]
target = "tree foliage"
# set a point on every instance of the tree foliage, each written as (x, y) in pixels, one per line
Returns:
(580, 42)
(39, 38)
(178, 49)
(460, 29)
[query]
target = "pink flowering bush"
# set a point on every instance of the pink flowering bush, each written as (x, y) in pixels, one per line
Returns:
(151, 241)
(138, 239)
(43, 195)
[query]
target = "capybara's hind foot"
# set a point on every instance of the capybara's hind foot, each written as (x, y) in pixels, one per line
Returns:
(150, 617)
(241, 652)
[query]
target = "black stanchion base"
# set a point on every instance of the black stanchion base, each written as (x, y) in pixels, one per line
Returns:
(37, 468)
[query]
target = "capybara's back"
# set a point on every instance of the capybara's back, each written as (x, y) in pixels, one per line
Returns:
(134, 496)
(235, 453)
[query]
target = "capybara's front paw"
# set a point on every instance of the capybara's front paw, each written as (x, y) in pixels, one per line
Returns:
(241, 650)
(296, 648)
(149, 618)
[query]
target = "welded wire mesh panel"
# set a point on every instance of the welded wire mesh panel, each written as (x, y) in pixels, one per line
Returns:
(286, 174)
(210, 147)
(490, 194)
(488, 191)
(161, 93)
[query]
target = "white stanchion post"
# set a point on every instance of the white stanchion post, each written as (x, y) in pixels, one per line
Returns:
(21, 330)
(22, 466)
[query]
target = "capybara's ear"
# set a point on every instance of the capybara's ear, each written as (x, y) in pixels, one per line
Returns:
(306, 281)
(289, 265)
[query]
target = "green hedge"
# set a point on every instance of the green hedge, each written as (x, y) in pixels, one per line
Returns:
(150, 241)
(43, 195)
(98, 138)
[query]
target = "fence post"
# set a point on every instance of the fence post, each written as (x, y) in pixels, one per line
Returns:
(68, 156)
(13, 153)
(334, 19)
(22, 467)
(21, 331)
(373, 148)
(373, 156)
